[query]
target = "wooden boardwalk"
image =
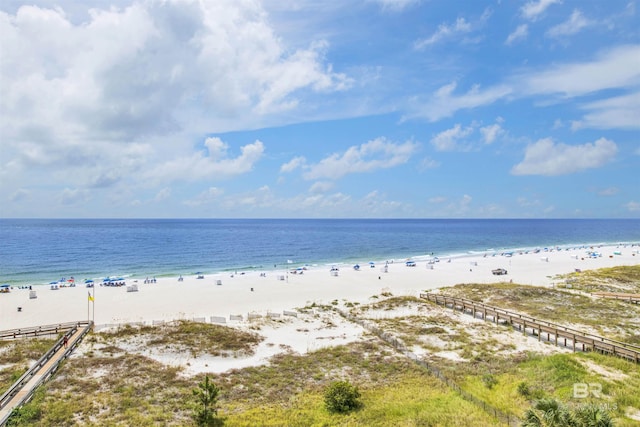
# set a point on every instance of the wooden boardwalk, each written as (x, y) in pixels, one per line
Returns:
(567, 337)
(634, 298)
(22, 390)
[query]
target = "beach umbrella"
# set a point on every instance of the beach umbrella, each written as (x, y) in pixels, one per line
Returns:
(53, 283)
(88, 281)
(6, 285)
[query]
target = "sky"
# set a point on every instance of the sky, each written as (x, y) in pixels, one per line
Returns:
(320, 109)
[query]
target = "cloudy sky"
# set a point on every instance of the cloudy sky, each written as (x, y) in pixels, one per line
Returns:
(285, 108)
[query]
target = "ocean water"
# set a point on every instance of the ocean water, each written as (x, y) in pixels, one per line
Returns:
(38, 251)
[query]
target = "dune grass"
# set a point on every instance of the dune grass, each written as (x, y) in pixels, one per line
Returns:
(134, 390)
(110, 385)
(612, 279)
(17, 355)
(559, 306)
(195, 337)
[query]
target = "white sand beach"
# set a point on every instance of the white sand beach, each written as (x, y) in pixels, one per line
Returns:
(263, 292)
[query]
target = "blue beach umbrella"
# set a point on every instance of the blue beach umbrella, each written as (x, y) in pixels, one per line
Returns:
(6, 285)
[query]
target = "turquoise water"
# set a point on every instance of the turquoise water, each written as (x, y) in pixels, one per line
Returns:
(35, 251)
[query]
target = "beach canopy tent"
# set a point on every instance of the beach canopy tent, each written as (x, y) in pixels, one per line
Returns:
(411, 263)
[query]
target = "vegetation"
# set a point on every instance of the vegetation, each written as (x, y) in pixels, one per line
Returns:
(197, 338)
(123, 388)
(559, 306)
(116, 383)
(613, 279)
(206, 409)
(342, 397)
(17, 355)
(551, 413)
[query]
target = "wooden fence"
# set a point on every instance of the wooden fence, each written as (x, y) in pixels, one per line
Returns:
(567, 337)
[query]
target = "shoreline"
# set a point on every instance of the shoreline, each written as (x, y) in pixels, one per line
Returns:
(262, 291)
(632, 245)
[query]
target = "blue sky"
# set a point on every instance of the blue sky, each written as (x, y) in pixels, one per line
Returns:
(282, 108)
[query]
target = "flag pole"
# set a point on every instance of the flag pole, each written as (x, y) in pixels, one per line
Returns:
(94, 305)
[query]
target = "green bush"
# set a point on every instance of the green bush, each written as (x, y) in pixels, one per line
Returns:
(489, 381)
(524, 390)
(341, 396)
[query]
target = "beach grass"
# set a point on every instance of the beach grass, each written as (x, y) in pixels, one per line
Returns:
(560, 306)
(196, 337)
(131, 388)
(123, 388)
(491, 369)
(113, 382)
(17, 355)
(612, 279)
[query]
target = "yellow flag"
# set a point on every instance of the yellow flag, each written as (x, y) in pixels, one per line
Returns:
(90, 297)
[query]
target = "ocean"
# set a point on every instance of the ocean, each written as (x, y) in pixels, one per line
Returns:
(38, 251)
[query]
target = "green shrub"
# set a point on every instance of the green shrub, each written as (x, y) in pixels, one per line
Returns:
(489, 381)
(524, 390)
(206, 403)
(341, 396)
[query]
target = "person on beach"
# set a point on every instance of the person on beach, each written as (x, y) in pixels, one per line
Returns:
(65, 341)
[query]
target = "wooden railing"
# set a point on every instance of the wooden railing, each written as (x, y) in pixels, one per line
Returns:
(13, 397)
(36, 331)
(634, 298)
(579, 340)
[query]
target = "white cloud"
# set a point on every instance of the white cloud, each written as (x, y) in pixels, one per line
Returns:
(527, 203)
(396, 5)
(19, 195)
(293, 164)
(547, 158)
(633, 206)
(573, 25)
(368, 157)
(616, 68)
(491, 132)
(444, 31)
(449, 140)
(163, 194)
(74, 196)
(532, 9)
(215, 162)
(428, 163)
(620, 112)
(521, 32)
(610, 191)
(148, 74)
(444, 103)
(207, 196)
(459, 207)
(321, 187)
